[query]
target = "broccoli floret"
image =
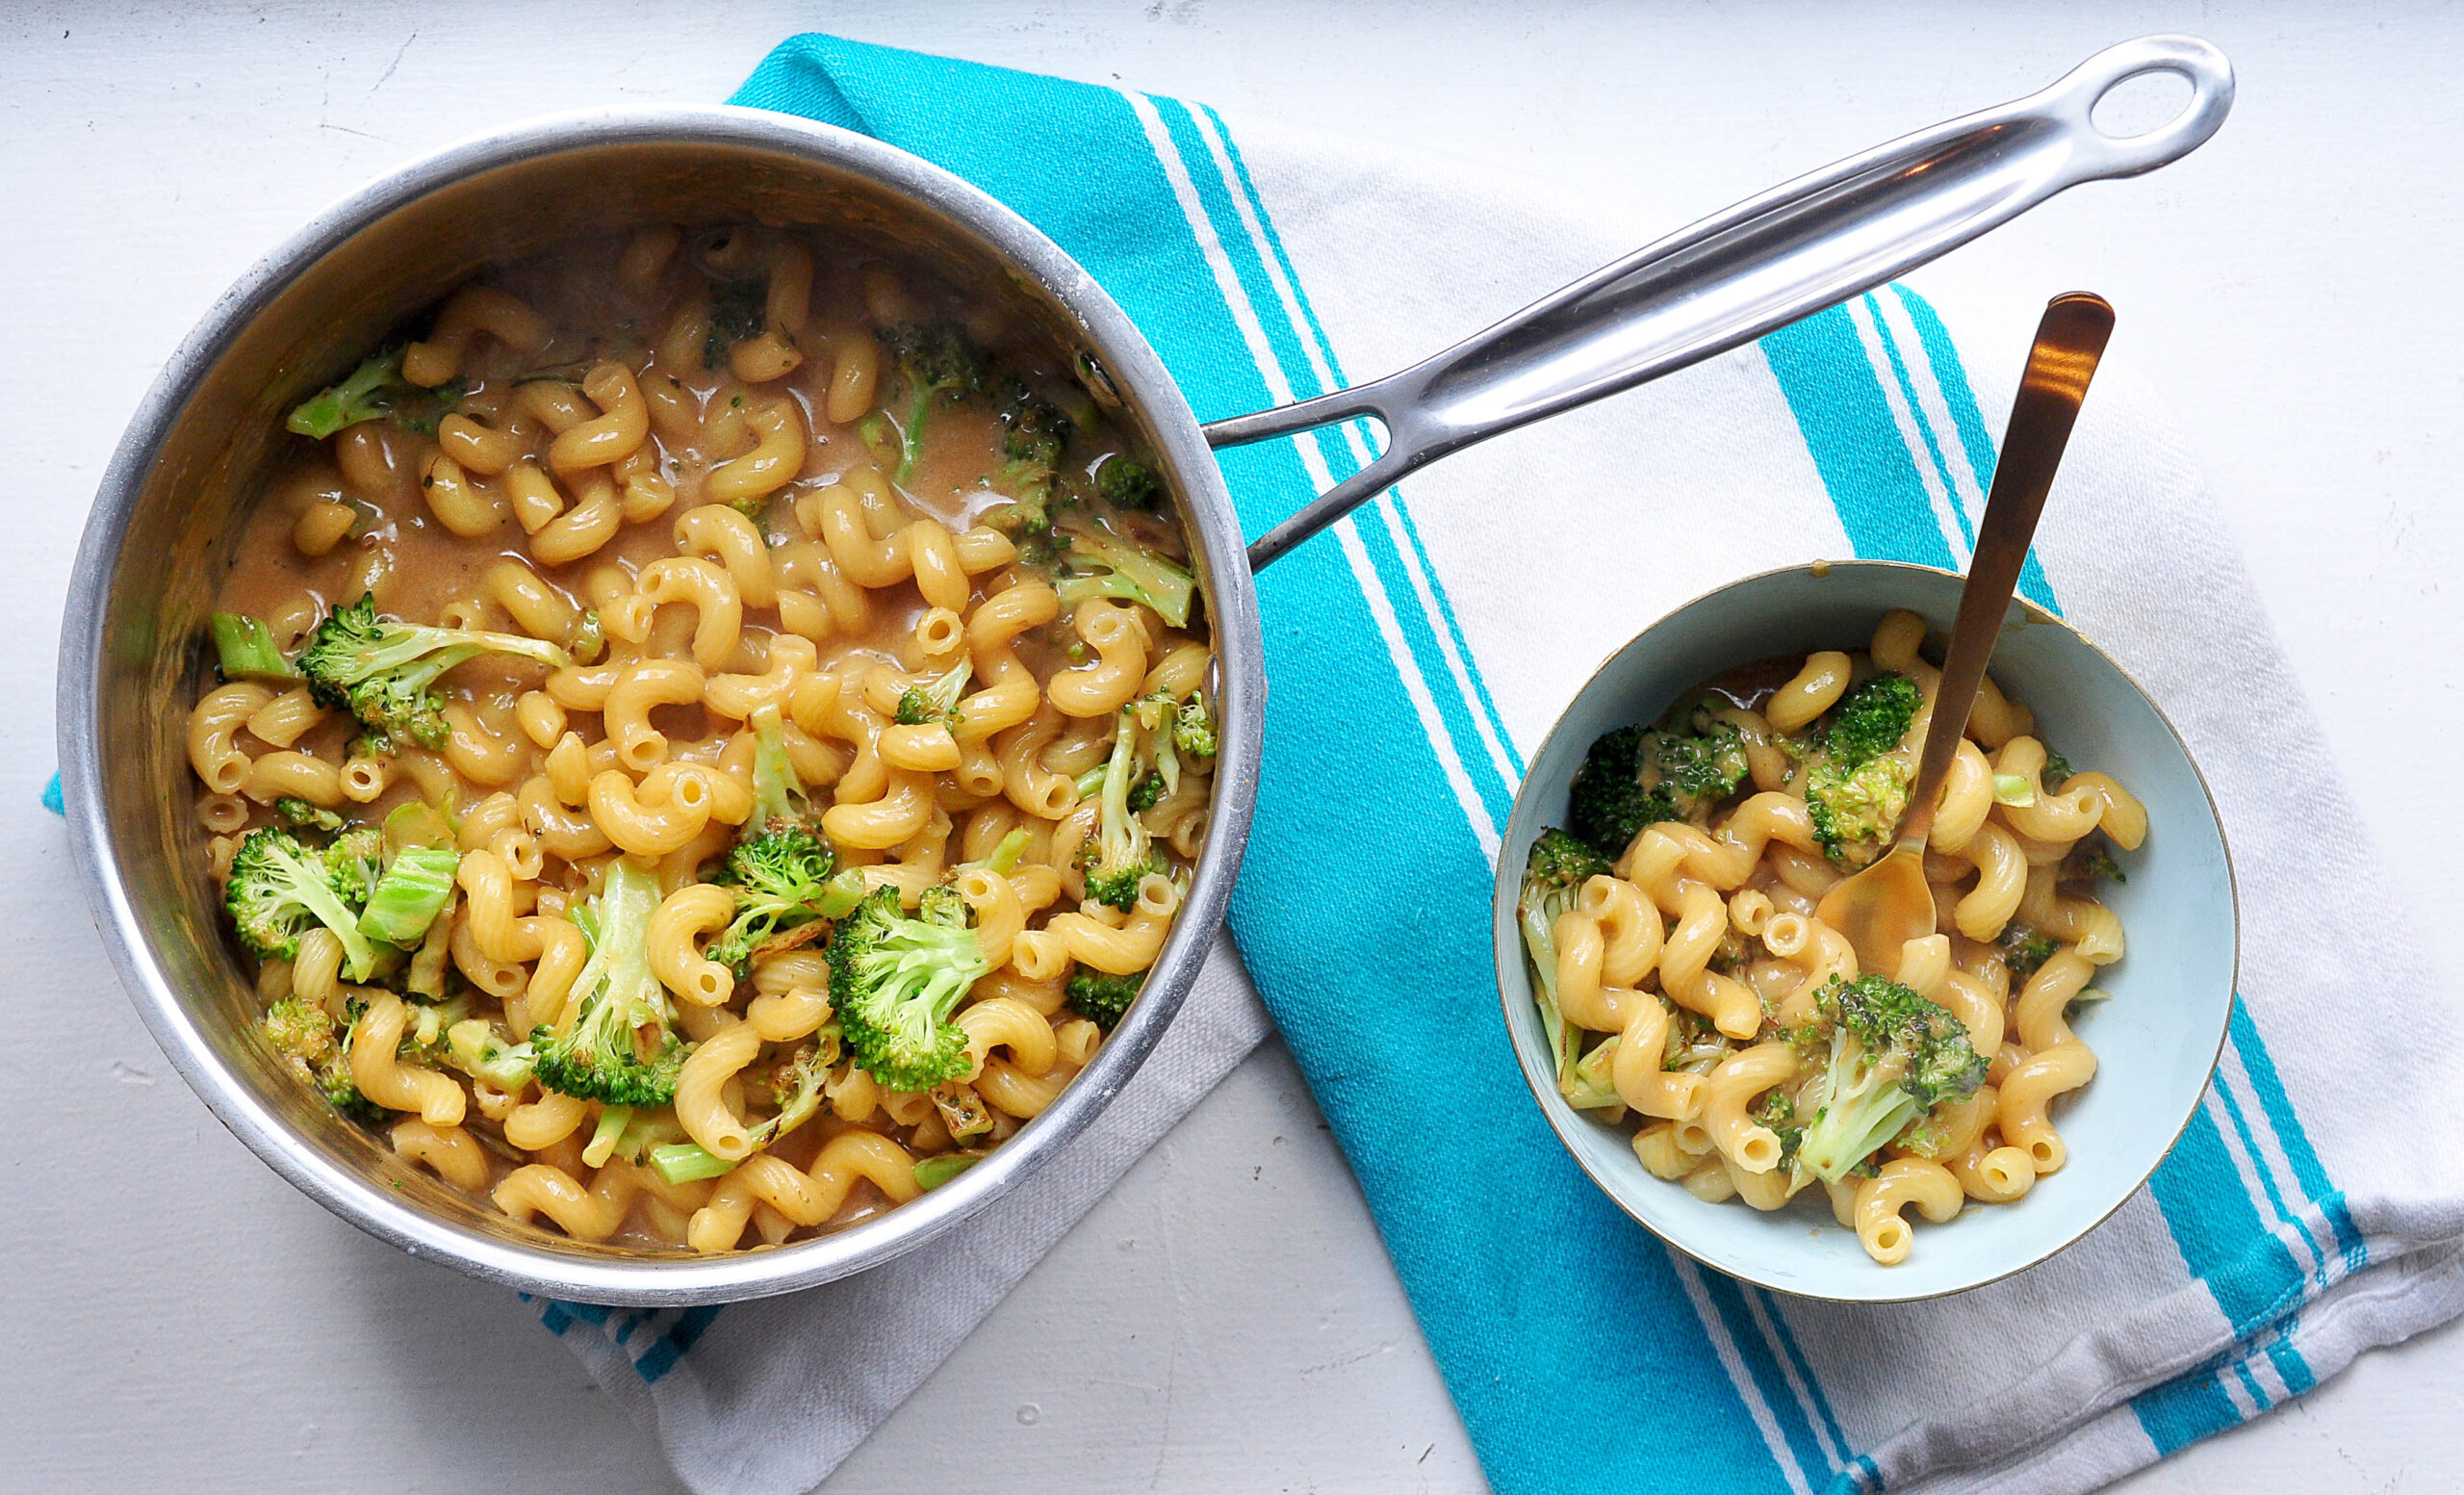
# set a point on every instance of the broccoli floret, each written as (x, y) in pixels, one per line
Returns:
(1607, 806)
(1871, 720)
(243, 649)
(935, 366)
(938, 701)
(1042, 550)
(1034, 432)
(1855, 811)
(613, 1043)
(782, 881)
(1100, 998)
(1120, 854)
(1778, 1111)
(307, 816)
(300, 1030)
(474, 1047)
(279, 889)
(2087, 862)
(1552, 875)
(1698, 767)
(739, 309)
(304, 1033)
(894, 981)
(376, 391)
(356, 863)
(1894, 1057)
(1164, 725)
(409, 894)
(1099, 565)
(381, 671)
(2057, 771)
(1127, 483)
(2023, 949)
(1193, 728)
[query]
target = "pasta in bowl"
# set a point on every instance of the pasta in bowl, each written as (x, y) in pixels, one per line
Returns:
(1708, 1049)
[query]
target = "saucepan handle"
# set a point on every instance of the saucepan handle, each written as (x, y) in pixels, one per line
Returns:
(1729, 279)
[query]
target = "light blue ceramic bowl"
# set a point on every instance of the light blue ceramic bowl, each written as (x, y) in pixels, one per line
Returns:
(2156, 1041)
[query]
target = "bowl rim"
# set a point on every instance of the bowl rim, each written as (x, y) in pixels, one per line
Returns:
(1562, 1117)
(640, 1279)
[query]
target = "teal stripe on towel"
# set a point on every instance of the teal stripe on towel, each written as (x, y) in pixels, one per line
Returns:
(1821, 367)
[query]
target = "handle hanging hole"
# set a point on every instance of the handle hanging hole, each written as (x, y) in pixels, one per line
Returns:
(2141, 103)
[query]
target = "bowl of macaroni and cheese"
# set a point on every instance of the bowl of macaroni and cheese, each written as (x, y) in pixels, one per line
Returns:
(1709, 1051)
(648, 710)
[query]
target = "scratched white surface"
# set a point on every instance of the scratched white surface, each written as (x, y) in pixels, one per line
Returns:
(178, 1318)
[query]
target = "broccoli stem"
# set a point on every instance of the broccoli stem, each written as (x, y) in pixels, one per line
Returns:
(1850, 1130)
(684, 1162)
(931, 1172)
(1005, 857)
(327, 411)
(775, 785)
(911, 433)
(244, 647)
(612, 1121)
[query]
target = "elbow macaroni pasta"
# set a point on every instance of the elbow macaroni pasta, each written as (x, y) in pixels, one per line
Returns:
(801, 582)
(1692, 986)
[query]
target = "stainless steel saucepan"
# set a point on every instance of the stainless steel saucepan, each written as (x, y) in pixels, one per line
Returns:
(206, 438)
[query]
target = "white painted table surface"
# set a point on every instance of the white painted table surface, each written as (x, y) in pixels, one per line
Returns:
(178, 1318)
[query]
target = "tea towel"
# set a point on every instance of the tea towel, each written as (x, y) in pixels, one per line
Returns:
(1417, 649)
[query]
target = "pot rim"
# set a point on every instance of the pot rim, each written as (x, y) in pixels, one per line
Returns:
(597, 1275)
